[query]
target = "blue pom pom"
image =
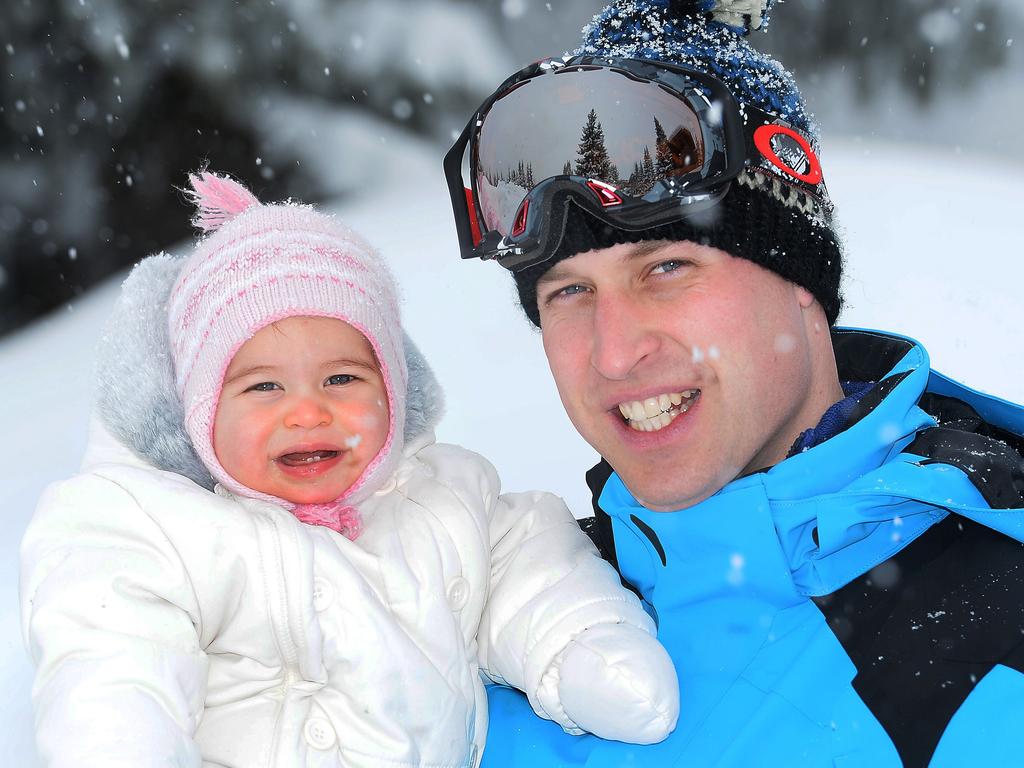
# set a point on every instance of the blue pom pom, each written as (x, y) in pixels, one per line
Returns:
(708, 35)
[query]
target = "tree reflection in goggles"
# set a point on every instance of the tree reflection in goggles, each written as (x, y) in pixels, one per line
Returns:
(594, 123)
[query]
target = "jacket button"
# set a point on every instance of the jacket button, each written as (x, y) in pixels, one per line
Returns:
(319, 733)
(323, 594)
(458, 593)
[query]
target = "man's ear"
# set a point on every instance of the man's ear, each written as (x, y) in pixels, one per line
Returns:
(804, 297)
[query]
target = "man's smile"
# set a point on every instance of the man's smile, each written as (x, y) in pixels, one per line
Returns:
(657, 412)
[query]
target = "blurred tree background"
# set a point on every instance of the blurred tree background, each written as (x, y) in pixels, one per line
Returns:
(105, 105)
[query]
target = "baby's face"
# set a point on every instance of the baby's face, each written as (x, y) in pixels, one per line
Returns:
(303, 410)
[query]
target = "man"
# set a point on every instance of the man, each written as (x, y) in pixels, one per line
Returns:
(826, 531)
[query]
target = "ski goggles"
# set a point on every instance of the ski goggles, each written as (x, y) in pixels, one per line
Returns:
(636, 143)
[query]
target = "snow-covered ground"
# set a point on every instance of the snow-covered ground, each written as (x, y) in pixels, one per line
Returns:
(929, 240)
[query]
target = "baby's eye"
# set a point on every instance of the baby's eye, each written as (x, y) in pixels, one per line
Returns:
(263, 386)
(340, 378)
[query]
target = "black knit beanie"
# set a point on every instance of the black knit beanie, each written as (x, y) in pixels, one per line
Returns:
(759, 219)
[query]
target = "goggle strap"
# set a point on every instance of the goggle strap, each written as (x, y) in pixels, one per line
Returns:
(466, 226)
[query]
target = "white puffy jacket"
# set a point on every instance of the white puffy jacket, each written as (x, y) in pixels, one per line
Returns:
(176, 626)
(172, 626)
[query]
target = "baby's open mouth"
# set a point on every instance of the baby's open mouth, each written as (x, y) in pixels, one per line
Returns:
(300, 459)
(658, 412)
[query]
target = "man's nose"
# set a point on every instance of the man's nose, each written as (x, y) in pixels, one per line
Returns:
(307, 411)
(622, 336)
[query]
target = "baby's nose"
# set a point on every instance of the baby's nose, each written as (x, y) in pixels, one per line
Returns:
(308, 412)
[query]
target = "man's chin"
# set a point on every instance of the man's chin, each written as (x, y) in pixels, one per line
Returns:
(648, 486)
(655, 496)
(674, 503)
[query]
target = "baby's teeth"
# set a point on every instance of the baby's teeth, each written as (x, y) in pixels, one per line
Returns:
(664, 402)
(676, 398)
(651, 407)
(625, 411)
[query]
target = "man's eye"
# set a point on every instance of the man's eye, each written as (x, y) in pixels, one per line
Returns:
(263, 386)
(666, 266)
(568, 290)
(340, 378)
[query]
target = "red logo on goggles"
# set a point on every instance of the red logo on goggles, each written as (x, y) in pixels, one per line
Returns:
(788, 151)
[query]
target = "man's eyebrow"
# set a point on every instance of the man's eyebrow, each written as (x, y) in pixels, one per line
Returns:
(556, 274)
(646, 248)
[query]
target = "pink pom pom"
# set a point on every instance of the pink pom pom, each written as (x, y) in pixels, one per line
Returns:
(218, 198)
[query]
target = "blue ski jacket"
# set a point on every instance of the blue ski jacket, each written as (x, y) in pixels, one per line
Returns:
(858, 604)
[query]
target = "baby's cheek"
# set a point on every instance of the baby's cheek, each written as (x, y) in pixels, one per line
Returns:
(369, 424)
(240, 445)
(369, 419)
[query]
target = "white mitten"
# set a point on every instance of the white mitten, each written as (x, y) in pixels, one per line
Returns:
(618, 682)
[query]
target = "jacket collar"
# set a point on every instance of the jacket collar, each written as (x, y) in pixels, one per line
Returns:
(886, 420)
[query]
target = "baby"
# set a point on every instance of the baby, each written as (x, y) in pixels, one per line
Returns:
(268, 561)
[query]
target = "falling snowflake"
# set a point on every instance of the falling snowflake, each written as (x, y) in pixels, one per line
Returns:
(122, 47)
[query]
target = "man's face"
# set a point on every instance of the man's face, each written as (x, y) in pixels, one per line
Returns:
(683, 366)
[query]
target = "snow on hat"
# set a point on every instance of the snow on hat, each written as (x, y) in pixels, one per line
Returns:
(707, 35)
(260, 264)
(759, 219)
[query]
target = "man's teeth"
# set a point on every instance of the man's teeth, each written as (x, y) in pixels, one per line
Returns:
(658, 412)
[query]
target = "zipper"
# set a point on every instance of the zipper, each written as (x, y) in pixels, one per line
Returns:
(277, 606)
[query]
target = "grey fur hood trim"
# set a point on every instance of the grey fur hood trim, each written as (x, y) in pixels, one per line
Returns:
(136, 398)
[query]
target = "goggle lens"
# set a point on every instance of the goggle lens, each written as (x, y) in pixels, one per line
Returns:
(650, 135)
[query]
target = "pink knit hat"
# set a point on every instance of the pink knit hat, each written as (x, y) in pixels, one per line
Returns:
(263, 263)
